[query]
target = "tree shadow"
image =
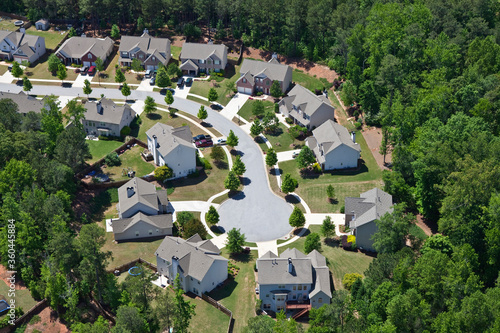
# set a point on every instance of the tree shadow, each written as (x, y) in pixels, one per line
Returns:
(153, 116)
(217, 229)
(297, 232)
(292, 199)
(362, 168)
(333, 201)
(276, 172)
(186, 181)
(221, 165)
(241, 257)
(237, 195)
(67, 85)
(245, 181)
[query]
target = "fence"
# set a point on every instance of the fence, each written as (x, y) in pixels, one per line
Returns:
(222, 308)
(130, 264)
(36, 309)
(14, 16)
(240, 57)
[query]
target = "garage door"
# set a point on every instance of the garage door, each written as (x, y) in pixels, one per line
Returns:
(19, 60)
(151, 67)
(245, 90)
(87, 63)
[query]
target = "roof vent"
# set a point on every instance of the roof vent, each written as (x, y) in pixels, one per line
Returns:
(290, 266)
(130, 191)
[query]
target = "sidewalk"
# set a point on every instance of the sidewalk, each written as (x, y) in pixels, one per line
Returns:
(80, 80)
(234, 105)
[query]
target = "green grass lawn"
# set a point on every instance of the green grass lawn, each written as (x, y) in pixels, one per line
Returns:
(281, 140)
(3, 69)
(238, 295)
(246, 110)
(198, 100)
(201, 88)
(163, 117)
(109, 73)
(207, 318)
(23, 297)
(41, 71)
(99, 149)
(7, 24)
(339, 261)
(52, 37)
(176, 51)
(307, 81)
(130, 158)
(416, 231)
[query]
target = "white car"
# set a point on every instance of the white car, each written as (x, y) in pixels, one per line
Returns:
(221, 141)
(295, 154)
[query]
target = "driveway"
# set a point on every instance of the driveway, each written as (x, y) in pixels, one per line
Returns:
(257, 211)
(286, 155)
(80, 80)
(234, 105)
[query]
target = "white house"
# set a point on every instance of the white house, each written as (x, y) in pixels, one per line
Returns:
(333, 147)
(172, 147)
(198, 262)
(293, 281)
(137, 195)
(19, 46)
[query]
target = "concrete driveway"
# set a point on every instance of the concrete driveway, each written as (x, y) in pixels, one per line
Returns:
(234, 105)
(286, 155)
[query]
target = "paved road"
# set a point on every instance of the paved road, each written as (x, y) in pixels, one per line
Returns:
(257, 211)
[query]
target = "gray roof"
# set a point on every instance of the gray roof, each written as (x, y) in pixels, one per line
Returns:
(273, 70)
(331, 135)
(140, 192)
(305, 100)
(370, 206)
(269, 254)
(189, 65)
(43, 21)
(22, 40)
(146, 44)
(162, 221)
(195, 255)
(107, 111)
(169, 138)
(76, 47)
(202, 51)
(25, 103)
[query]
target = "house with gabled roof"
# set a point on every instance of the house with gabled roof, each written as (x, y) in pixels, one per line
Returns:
(305, 108)
(106, 118)
(258, 76)
(172, 147)
(197, 262)
(198, 58)
(137, 195)
(84, 50)
(25, 103)
(361, 213)
(293, 281)
(334, 147)
(150, 51)
(142, 226)
(19, 46)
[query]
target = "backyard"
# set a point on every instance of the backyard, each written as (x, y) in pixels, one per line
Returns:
(52, 37)
(246, 110)
(281, 140)
(307, 81)
(23, 297)
(231, 74)
(99, 149)
(6, 23)
(132, 159)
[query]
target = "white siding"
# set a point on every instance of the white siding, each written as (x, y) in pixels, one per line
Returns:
(182, 160)
(342, 157)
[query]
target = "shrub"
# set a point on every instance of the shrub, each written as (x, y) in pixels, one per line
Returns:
(317, 168)
(112, 159)
(297, 131)
(259, 93)
(125, 131)
(206, 164)
(289, 120)
(103, 138)
(345, 244)
(349, 279)
(312, 242)
(163, 173)
(351, 239)
(342, 209)
(276, 108)
(357, 125)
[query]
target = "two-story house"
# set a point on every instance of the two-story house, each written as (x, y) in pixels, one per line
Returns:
(143, 212)
(106, 118)
(361, 213)
(25, 103)
(84, 50)
(201, 58)
(19, 46)
(293, 281)
(305, 108)
(172, 147)
(258, 76)
(197, 262)
(150, 51)
(334, 147)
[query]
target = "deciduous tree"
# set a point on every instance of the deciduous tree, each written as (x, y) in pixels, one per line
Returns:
(276, 89)
(271, 157)
(297, 218)
(149, 105)
(217, 153)
(232, 181)
(288, 184)
(305, 157)
(235, 241)
(169, 98)
(212, 95)
(53, 63)
(163, 173)
(238, 166)
(212, 216)
(17, 71)
(184, 310)
(27, 86)
(202, 113)
(232, 139)
(312, 242)
(61, 72)
(126, 91)
(328, 227)
(115, 32)
(258, 109)
(256, 128)
(119, 76)
(87, 90)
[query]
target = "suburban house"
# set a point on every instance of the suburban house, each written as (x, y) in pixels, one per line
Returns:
(106, 118)
(361, 213)
(42, 24)
(305, 108)
(19, 46)
(172, 147)
(334, 147)
(197, 262)
(258, 76)
(293, 281)
(139, 196)
(25, 103)
(150, 51)
(84, 50)
(201, 58)
(142, 226)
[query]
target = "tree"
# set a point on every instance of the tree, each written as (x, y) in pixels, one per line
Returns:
(71, 148)
(393, 229)
(328, 227)
(184, 217)
(305, 157)
(137, 65)
(52, 121)
(162, 78)
(258, 109)
(288, 184)
(212, 95)
(232, 139)
(202, 113)
(238, 166)
(297, 218)
(99, 326)
(184, 310)
(62, 73)
(126, 92)
(163, 173)
(212, 216)
(75, 113)
(17, 71)
(312, 242)
(71, 32)
(165, 310)
(169, 98)
(349, 280)
(27, 86)
(129, 319)
(87, 90)
(235, 241)
(232, 181)
(384, 144)
(119, 76)
(270, 122)
(112, 159)
(115, 32)
(15, 176)
(276, 89)
(271, 157)
(173, 69)
(99, 66)
(53, 63)
(193, 227)
(256, 128)
(439, 243)
(217, 153)
(330, 192)
(142, 292)
(149, 104)
(259, 324)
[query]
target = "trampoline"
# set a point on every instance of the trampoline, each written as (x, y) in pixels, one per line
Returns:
(135, 271)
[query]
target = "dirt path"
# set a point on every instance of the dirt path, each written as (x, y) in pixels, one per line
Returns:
(48, 323)
(426, 227)
(4, 275)
(373, 138)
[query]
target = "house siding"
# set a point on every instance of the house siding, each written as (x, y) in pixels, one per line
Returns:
(342, 157)
(182, 160)
(266, 295)
(322, 114)
(364, 234)
(143, 229)
(325, 299)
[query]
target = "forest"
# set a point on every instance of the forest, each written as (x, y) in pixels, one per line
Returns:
(426, 72)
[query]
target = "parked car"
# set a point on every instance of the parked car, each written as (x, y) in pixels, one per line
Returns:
(84, 70)
(148, 74)
(208, 137)
(189, 82)
(152, 81)
(295, 154)
(10, 68)
(221, 141)
(199, 137)
(216, 107)
(91, 70)
(204, 143)
(180, 82)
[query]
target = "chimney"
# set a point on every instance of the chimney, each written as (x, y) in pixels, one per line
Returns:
(130, 191)
(353, 136)
(145, 31)
(274, 56)
(290, 266)
(155, 150)
(99, 108)
(22, 30)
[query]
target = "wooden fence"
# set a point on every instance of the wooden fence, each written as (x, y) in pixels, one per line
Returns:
(36, 309)
(135, 262)
(222, 308)
(14, 16)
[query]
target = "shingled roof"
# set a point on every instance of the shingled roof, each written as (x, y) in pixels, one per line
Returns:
(273, 70)
(107, 111)
(25, 103)
(161, 221)
(305, 100)
(370, 206)
(169, 138)
(136, 191)
(76, 47)
(147, 44)
(202, 51)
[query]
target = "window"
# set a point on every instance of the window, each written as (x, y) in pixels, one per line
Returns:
(209, 61)
(305, 287)
(137, 233)
(154, 58)
(90, 56)
(217, 62)
(282, 286)
(244, 80)
(294, 287)
(150, 232)
(267, 295)
(320, 300)
(141, 56)
(267, 82)
(157, 230)
(300, 287)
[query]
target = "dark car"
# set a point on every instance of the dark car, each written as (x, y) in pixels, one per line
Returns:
(189, 82)
(91, 70)
(204, 143)
(180, 82)
(10, 68)
(198, 137)
(84, 70)
(216, 107)
(152, 81)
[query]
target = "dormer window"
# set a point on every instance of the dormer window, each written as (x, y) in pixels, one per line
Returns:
(90, 56)
(217, 62)
(154, 58)
(244, 80)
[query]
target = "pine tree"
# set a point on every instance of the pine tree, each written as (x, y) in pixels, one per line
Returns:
(238, 166)
(212, 216)
(271, 157)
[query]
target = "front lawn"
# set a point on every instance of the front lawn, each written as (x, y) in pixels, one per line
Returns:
(201, 88)
(307, 81)
(99, 149)
(52, 37)
(3, 69)
(109, 73)
(41, 71)
(281, 140)
(131, 158)
(246, 110)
